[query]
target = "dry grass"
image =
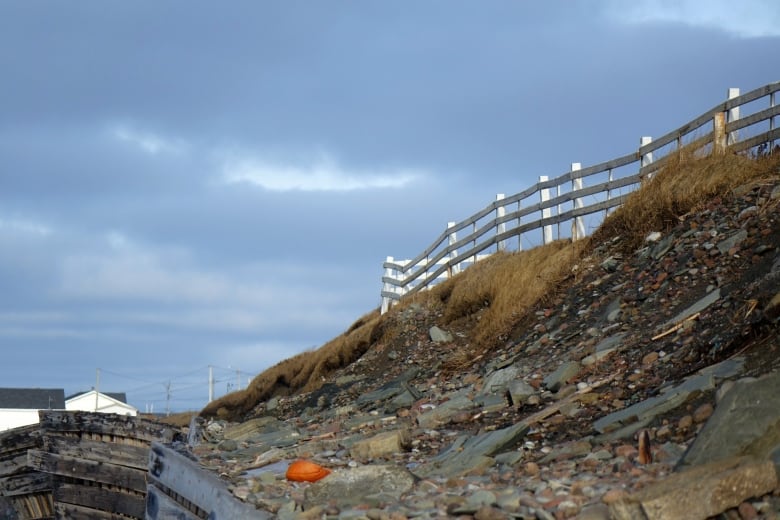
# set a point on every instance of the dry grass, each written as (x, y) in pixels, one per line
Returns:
(498, 293)
(303, 372)
(504, 287)
(683, 185)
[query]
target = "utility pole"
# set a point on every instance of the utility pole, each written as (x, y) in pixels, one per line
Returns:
(168, 399)
(211, 383)
(97, 388)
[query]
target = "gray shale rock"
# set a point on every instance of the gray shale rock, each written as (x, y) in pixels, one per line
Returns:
(361, 485)
(439, 336)
(562, 375)
(746, 422)
(700, 492)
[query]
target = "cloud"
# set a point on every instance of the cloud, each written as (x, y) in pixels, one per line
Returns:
(149, 142)
(744, 19)
(323, 174)
(24, 226)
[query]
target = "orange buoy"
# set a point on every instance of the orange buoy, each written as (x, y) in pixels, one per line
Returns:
(305, 471)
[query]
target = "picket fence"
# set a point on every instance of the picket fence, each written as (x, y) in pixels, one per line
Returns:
(741, 124)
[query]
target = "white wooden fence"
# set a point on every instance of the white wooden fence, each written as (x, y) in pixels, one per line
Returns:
(741, 123)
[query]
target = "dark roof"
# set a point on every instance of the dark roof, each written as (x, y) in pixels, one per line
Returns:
(119, 396)
(32, 398)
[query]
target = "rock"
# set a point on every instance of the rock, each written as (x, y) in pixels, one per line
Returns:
(445, 411)
(700, 492)
(562, 375)
(364, 484)
(498, 381)
(228, 445)
(382, 444)
(252, 427)
(568, 451)
(650, 358)
(472, 452)
(594, 512)
(389, 390)
(734, 240)
(702, 413)
(627, 421)
(438, 335)
(611, 264)
(699, 306)
(772, 309)
(519, 391)
(745, 422)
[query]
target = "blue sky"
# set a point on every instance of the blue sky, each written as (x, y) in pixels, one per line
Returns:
(187, 184)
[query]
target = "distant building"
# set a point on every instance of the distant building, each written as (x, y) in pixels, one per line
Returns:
(109, 402)
(19, 406)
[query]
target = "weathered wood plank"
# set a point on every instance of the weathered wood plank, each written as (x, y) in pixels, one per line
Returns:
(35, 506)
(111, 453)
(160, 506)
(101, 499)
(76, 512)
(25, 483)
(184, 477)
(129, 478)
(105, 424)
(14, 464)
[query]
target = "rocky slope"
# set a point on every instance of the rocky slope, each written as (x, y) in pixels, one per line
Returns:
(646, 388)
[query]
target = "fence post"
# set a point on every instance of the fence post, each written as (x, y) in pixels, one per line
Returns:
(387, 287)
(578, 224)
(544, 194)
(500, 212)
(451, 239)
(719, 133)
(519, 235)
(646, 159)
(771, 121)
(733, 115)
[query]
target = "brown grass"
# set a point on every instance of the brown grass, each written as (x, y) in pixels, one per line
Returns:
(682, 186)
(301, 373)
(498, 293)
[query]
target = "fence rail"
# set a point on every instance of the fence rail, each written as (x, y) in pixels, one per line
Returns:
(562, 200)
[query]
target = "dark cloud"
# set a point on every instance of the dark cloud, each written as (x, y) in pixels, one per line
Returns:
(148, 152)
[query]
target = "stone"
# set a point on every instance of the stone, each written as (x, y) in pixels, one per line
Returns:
(498, 381)
(438, 335)
(611, 264)
(698, 306)
(702, 413)
(382, 444)
(252, 427)
(627, 421)
(562, 375)
(519, 391)
(734, 240)
(746, 421)
(228, 445)
(568, 451)
(359, 485)
(650, 358)
(442, 414)
(473, 452)
(700, 492)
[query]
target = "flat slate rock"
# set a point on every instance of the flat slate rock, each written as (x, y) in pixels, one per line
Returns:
(746, 421)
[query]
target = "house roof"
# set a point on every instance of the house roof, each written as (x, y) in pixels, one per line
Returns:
(32, 398)
(117, 396)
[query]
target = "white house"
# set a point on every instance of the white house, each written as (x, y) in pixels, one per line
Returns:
(109, 402)
(19, 406)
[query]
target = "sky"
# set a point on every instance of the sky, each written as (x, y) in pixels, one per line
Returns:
(186, 184)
